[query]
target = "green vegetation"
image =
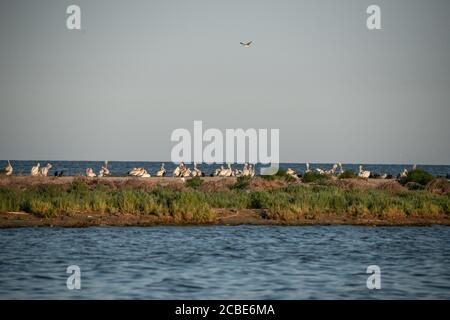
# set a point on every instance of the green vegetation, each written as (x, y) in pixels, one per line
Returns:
(417, 176)
(49, 200)
(347, 174)
(241, 183)
(287, 203)
(194, 182)
(313, 176)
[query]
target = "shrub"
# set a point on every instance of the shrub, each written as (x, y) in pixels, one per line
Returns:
(314, 176)
(241, 183)
(189, 207)
(347, 174)
(194, 182)
(414, 186)
(40, 207)
(259, 200)
(438, 186)
(418, 176)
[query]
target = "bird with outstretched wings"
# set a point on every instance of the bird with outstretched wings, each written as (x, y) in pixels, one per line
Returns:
(246, 44)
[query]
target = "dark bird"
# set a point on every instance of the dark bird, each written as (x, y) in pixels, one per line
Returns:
(59, 173)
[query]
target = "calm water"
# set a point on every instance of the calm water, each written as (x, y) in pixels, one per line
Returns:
(121, 168)
(246, 262)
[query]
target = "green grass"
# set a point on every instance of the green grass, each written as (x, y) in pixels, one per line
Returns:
(347, 174)
(192, 206)
(314, 176)
(417, 176)
(241, 183)
(194, 182)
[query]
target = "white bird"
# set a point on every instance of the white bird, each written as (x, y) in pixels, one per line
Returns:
(90, 173)
(44, 170)
(161, 172)
(404, 173)
(8, 169)
(307, 168)
(104, 171)
(144, 174)
(196, 172)
(179, 170)
(35, 170)
(362, 173)
(291, 172)
(341, 169)
(133, 172)
(321, 171)
(186, 172)
(218, 171)
(246, 44)
(228, 172)
(245, 171)
(332, 170)
(139, 172)
(252, 170)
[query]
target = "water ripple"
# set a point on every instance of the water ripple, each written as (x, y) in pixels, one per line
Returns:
(247, 262)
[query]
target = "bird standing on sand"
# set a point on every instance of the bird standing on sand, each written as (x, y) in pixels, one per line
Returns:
(35, 170)
(362, 173)
(246, 170)
(44, 170)
(196, 172)
(218, 171)
(341, 169)
(161, 172)
(332, 170)
(8, 169)
(252, 170)
(104, 171)
(185, 172)
(404, 173)
(178, 170)
(246, 44)
(291, 172)
(321, 171)
(144, 174)
(139, 172)
(90, 173)
(228, 172)
(307, 168)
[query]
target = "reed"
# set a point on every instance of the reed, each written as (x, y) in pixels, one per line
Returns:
(287, 203)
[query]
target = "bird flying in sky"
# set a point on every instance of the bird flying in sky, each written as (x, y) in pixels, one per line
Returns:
(246, 44)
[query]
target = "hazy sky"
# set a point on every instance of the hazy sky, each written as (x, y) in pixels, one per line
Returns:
(140, 69)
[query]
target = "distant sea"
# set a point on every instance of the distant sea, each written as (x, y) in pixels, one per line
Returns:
(120, 168)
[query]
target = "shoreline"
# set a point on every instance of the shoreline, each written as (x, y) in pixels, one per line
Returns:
(128, 201)
(224, 218)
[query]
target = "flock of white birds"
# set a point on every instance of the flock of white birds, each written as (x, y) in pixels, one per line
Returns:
(182, 171)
